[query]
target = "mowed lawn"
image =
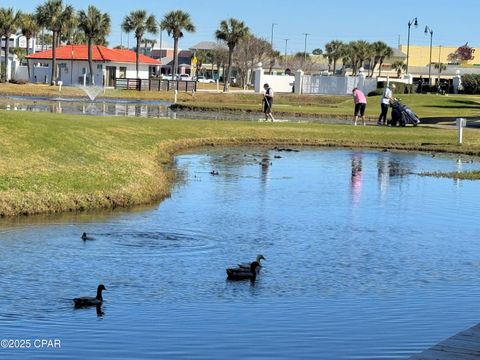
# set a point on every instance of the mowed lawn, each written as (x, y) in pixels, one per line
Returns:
(56, 163)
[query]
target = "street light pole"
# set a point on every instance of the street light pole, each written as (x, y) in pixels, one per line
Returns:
(413, 22)
(271, 38)
(428, 30)
(305, 51)
(286, 46)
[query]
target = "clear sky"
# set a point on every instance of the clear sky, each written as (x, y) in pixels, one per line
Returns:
(453, 22)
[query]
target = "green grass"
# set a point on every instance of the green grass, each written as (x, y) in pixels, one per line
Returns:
(57, 163)
(465, 175)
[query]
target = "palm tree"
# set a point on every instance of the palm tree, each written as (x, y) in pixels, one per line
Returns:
(53, 15)
(399, 67)
(68, 30)
(29, 28)
(231, 31)
(174, 22)
(362, 52)
(94, 24)
(333, 51)
(9, 21)
(381, 51)
(139, 22)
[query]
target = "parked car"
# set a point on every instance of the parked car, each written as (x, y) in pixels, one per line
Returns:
(203, 79)
(184, 77)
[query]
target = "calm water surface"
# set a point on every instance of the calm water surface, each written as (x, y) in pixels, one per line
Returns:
(365, 260)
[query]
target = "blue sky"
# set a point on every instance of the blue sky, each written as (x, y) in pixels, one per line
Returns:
(453, 22)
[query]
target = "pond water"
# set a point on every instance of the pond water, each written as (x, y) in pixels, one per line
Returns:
(364, 260)
(136, 108)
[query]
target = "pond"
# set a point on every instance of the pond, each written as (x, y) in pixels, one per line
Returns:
(364, 260)
(137, 108)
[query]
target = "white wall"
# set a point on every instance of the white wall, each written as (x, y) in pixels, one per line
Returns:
(72, 72)
(279, 83)
(337, 85)
(132, 72)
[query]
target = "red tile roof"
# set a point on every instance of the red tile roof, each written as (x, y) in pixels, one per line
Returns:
(99, 53)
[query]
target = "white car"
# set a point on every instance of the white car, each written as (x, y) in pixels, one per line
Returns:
(184, 77)
(203, 79)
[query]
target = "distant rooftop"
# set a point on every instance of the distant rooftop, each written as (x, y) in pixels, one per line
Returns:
(397, 53)
(206, 45)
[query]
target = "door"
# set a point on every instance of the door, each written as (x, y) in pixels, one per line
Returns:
(111, 75)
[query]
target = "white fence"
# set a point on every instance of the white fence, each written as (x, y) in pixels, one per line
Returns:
(314, 84)
(336, 85)
(279, 83)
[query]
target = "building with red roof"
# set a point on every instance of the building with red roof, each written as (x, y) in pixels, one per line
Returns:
(72, 62)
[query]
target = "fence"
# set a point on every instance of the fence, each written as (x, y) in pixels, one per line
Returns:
(155, 85)
(336, 85)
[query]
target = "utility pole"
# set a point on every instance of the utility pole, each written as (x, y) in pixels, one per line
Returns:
(271, 38)
(305, 51)
(286, 47)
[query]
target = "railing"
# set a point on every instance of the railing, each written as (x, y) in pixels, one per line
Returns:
(155, 85)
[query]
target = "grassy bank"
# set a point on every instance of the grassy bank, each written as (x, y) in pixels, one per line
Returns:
(426, 106)
(57, 163)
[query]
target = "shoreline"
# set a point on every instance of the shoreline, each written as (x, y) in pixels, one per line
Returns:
(166, 152)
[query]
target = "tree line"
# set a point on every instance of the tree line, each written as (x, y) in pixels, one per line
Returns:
(92, 26)
(243, 49)
(357, 54)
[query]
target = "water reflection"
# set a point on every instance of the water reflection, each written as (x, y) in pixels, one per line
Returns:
(145, 109)
(391, 167)
(356, 179)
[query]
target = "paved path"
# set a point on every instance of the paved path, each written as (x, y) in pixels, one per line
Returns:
(463, 346)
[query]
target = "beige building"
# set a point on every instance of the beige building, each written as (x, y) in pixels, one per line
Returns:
(420, 55)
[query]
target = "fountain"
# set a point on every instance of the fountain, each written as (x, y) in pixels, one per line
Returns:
(92, 91)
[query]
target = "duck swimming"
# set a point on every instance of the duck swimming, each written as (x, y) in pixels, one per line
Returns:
(242, 274)
(90, 301)
(246, 266)
(85, 237)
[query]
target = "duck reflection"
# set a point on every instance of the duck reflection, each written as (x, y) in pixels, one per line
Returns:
(356, 179)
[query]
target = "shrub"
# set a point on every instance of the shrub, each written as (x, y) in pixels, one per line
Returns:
(471, 84)
(404, 88)
(376, 92)
(18, 82)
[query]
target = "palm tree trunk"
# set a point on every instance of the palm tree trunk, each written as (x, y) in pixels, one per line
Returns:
(137, 55)
(175, 57)
(90, 61)
(373, 68)
(54, 58)
(229, 69)
(26, 54)
(334, 66)
(7, 46)
(380, 68)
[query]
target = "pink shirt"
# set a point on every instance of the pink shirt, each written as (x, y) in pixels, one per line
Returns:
(359, 97)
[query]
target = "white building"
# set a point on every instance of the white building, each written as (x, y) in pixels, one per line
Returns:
(73, 69)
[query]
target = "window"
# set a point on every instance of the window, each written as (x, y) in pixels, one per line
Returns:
(123, 72)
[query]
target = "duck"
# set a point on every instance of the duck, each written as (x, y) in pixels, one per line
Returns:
(214, 173)
(90, 301)
(85, 237)
(246, 266)
(236, 274)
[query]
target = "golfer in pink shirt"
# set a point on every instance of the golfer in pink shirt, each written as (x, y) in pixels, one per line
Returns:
(360, 105)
